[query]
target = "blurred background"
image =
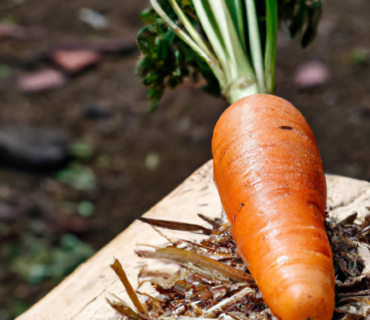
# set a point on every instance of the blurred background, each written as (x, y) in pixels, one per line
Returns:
(80, 158)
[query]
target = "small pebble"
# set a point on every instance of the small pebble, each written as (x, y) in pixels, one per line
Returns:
(41, 80)
(152, 161)
(93, 18)
(21, 33)
(73, 61)
(96, 112)
(33, 148)
(312, 74)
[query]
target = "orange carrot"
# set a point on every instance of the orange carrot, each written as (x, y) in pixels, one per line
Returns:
(270, 178)
(266, 163)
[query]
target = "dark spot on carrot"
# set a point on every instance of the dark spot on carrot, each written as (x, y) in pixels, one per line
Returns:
(263, 238)
(241, 206)
(223, 155)
(286, 128)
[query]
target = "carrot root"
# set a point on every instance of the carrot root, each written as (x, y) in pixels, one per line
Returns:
(271, 182)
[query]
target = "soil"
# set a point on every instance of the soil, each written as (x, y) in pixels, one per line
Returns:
(138, 158)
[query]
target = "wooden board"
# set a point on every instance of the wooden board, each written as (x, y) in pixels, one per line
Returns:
(82, 295)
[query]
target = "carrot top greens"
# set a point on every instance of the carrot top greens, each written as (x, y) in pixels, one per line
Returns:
(230, 43)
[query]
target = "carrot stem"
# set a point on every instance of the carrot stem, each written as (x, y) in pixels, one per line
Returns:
(180, 33)
(235, 8)
(271, 40)
(225, 39)
(191, 30)
(255, 44)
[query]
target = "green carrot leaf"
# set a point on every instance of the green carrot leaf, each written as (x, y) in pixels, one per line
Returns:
(304, 15)
(299, 19)
(314, 14)
(166, 59)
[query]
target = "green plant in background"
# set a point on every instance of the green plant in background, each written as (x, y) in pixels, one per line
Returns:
(360, 57)
(230, 43)
(81, 150)
(37, 260)
(5, 71)
(39, 256)
(85, 208)
(77, 176)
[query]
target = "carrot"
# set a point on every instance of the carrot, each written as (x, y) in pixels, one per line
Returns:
(270, 178)
(266, 163)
